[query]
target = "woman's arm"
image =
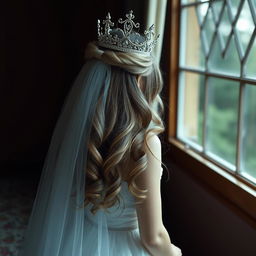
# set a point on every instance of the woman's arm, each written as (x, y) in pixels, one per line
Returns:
(154, 236)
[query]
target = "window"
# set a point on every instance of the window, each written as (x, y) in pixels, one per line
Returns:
(217, 82)
(212, 103)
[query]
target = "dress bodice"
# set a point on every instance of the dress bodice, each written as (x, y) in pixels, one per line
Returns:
(115, 230)
(121, 216)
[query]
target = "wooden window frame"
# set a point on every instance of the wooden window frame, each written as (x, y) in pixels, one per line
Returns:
(236, 192)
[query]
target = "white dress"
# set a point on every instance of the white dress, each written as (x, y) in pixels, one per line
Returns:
(121, 236)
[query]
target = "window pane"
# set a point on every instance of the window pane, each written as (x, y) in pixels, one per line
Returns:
(190, 1)
(225, 24)
(234, 6)
(250, 68)
(221, 119)
(245, 25)
(191, 53)
(209, 27)
(229, 64)
(214, 41)
(248, 156)
(187, 1)
(191, 95)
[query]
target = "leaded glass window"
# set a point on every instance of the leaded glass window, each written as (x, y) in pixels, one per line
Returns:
(217, 82)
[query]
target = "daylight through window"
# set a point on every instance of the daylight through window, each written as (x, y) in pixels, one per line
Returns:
(217, 82)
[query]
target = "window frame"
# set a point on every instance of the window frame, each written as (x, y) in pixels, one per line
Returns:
(234, 190)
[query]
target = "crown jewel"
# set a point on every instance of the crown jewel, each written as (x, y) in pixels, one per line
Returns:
(126, 39)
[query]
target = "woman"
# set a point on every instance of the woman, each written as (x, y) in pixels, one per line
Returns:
(99, 193)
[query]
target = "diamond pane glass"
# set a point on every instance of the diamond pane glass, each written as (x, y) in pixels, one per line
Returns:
(209, 27)
(217, 6)
(245, 25)
(190, 1)
(191, 99)
(225, 26)
(187, 1)
(221, 119)
(250, 67)
(190, 43)
(248, 156)
(234, 6)
(202, 11)
(229, 63)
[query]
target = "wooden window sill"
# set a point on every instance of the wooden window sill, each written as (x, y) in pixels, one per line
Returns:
(232, 190)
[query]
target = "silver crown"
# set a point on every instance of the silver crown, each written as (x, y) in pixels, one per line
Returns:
(126, 39)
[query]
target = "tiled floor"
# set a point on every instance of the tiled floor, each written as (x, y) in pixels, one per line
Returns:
(16, 201)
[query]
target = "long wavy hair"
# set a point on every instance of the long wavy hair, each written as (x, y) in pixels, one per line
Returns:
(121, 126)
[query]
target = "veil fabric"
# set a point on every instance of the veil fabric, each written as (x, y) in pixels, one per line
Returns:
(56, 225)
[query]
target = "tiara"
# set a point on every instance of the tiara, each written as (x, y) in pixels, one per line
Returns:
(126, 39)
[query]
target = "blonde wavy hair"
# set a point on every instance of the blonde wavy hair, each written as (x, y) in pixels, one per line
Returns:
(119, 130)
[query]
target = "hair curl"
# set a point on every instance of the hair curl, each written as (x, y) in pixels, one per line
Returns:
(121, 126)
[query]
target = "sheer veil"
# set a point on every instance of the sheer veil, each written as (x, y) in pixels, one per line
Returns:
(57, 222)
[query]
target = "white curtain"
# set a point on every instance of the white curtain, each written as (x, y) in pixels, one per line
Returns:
(156, 15)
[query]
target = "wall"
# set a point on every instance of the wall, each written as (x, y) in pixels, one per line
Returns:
(199, 223)
(41, 46)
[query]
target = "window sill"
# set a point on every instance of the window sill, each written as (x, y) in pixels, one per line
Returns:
(233, 191)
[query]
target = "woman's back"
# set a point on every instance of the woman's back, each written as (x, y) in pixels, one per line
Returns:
(121, 230)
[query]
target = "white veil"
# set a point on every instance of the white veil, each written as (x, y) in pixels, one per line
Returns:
(57, 225)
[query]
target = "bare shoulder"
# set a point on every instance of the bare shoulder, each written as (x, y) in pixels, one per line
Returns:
(153, 146)
(154, 161)
(154, 158)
